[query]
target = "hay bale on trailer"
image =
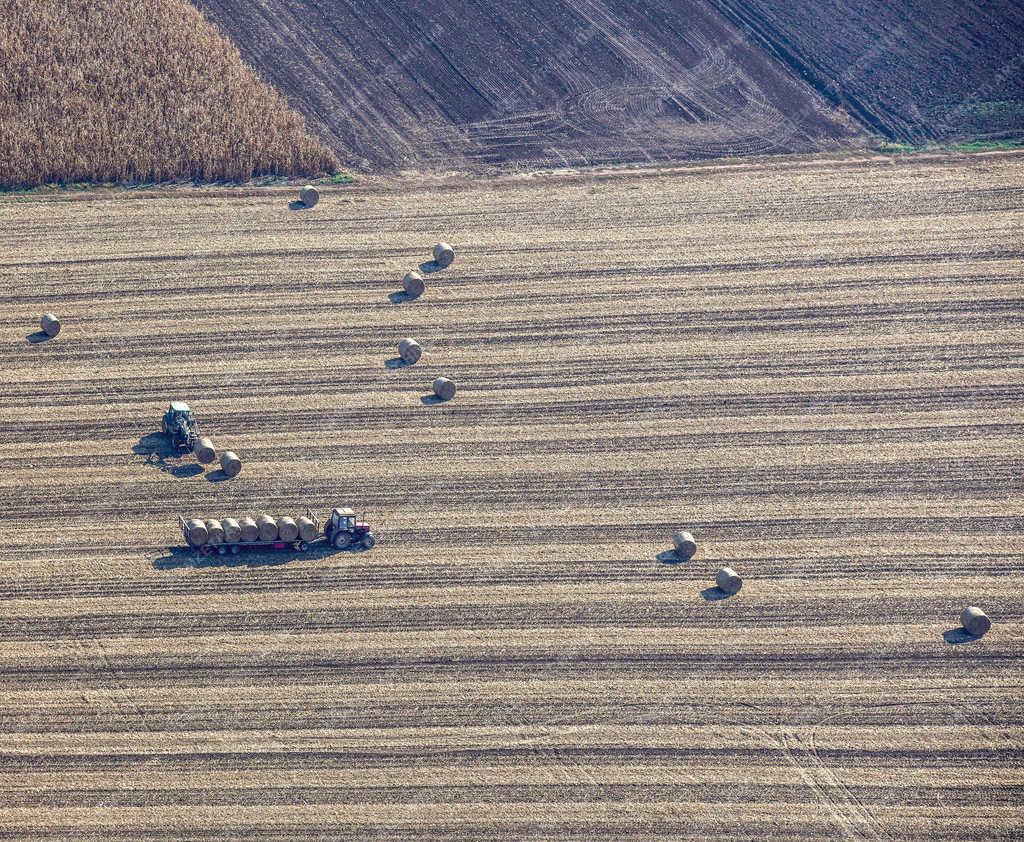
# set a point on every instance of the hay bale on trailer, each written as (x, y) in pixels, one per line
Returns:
(307, 529)
(309, 195)
(216, 532)
(684, 544)
(267, 527)
(410, 351)
(195, 533)
(975, 620)
(413, 284)
(444, 388)
(230, 464)
(444, 254)
(250, 530)
(728, 580)
(232, 530)
(49, 324)
(205, 451)
(287, 528)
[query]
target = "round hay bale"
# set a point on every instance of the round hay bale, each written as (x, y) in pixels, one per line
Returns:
(975, 620)
(204, 451)
(267, 527)
(232, 530)
(413, 284)
(216, 532)
(309, 195)
(410, 351)
(230, 464)
(444, 388)
(287, 528)
(50, 324)
(728, 580)
(195, 533)
(444, 254)
(684, 544)
(307, 529)
(250, 530)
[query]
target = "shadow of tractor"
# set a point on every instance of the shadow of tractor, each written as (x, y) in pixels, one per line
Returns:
(157, 450)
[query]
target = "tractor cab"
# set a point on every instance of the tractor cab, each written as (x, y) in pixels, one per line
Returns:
(344, 530)
(343, 519)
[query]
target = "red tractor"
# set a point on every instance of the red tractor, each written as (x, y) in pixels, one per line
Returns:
(343, 530)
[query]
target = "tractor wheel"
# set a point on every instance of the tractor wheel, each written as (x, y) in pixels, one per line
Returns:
(368, 541)
(342, 540)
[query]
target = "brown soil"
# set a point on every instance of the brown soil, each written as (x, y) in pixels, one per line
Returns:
(913, 72)
(456, 85)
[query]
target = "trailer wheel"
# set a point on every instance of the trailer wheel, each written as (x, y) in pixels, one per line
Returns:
(368, 541)
(342, 540)
(303, 546)
(235, 549)
(222, 550)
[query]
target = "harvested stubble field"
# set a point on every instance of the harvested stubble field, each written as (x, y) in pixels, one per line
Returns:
(814, 366)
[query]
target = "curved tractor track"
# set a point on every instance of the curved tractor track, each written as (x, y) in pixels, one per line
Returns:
(816, 367)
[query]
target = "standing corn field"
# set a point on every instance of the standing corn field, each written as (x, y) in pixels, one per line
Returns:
(111, 90)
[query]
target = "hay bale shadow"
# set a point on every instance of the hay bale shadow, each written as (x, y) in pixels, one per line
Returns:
(217, 475)
(38, 336)
(178, 557)
(396, 362)
(959, 635)
(401, 297)
(669, 557)
(183, 471)
(296, 205)
(430, 266)
(715, 594)
(430, 400)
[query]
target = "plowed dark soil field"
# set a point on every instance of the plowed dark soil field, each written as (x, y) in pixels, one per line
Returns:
(815, 365)
(455, 84)
(918, 71)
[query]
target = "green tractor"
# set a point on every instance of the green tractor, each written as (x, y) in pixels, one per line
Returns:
(180, 427)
